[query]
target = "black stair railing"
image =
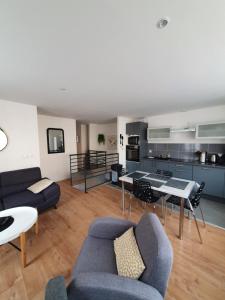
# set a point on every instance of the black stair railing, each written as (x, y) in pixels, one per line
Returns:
(91, 169)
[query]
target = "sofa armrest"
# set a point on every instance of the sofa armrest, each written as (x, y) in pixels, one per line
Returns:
(109, 228)
(52, 190)
(56, 289)
(102, 286)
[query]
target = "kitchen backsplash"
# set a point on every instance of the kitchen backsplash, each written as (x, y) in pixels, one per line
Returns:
(182, 151)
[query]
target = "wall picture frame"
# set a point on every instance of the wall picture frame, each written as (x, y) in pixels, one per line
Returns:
(55, 140)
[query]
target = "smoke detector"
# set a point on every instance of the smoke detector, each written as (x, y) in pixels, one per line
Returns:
(163, 22)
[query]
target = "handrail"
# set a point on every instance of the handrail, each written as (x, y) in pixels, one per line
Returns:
(84, 166)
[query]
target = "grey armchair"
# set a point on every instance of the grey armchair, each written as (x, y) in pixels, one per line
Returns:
(95, 275)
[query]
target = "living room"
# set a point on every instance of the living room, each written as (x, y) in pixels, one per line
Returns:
(112, 150)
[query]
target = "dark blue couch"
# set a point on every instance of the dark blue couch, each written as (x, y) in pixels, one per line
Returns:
(13, 190)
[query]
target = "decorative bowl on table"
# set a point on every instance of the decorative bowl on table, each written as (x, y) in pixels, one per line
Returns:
(5, 222)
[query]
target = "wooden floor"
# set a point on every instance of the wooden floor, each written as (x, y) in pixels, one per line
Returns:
(198, 270)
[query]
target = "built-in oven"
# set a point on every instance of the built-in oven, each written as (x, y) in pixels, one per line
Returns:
(133, 140)
(132, 152)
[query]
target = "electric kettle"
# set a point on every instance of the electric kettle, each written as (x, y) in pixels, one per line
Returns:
(213, 158)
(203, 157)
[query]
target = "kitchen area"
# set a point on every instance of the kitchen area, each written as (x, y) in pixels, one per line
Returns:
(191, 161)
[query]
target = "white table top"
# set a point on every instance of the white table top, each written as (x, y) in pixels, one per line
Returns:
(163, 188)
(24, 218)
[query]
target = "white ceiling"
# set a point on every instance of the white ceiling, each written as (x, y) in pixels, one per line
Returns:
(111, 57)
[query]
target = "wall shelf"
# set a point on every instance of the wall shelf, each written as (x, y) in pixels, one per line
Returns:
(192, 129)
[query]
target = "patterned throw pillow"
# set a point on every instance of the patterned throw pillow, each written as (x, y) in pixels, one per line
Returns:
(128, 258)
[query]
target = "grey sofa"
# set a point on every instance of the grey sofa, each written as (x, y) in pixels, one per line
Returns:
(95, 273)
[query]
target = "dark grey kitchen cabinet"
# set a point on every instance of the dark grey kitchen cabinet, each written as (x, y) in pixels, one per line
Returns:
(178, 170)
(182, 171)
(132, 166)
(137, 128)
(163, 165)
(214, 179)
(148, 165)
(130, 128)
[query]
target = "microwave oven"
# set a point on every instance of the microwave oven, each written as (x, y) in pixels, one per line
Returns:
(133, 140)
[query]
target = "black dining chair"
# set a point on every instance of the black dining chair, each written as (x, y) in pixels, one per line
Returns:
(191, 204)
(142, 190)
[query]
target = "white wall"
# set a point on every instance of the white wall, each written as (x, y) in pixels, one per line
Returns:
(121, 129)
(188, 119)
(84, 138)
(19, 121)
(106, 129)
(56, 166)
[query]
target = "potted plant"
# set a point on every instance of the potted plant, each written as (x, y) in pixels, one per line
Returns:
(101, 138)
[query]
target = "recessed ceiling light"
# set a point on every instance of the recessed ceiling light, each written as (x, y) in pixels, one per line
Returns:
(162, 23)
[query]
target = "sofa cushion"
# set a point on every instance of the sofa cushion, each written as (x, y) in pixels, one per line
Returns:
(25, 198)
(128, 258)
(39, 186)
(97, 255)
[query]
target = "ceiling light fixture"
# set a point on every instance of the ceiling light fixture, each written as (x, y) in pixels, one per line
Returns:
(162, 23)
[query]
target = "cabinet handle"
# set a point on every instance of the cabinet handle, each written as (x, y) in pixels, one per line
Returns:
(179, 165)
(205, 168)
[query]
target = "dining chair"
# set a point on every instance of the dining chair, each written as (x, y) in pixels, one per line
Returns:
(190, 204)
(142, 190)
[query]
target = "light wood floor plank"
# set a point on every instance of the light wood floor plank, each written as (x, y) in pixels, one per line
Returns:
(198, 270)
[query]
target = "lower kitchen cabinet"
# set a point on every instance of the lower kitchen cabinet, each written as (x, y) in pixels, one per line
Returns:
(214, 179)
(182, 171)
(178, 170)
(148, 165)
(165, 166)
(132, 166)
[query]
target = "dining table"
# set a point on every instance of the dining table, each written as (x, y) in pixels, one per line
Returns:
(166, 186)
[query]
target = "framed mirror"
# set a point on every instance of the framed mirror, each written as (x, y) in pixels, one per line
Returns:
(3, 140)
(55, 140)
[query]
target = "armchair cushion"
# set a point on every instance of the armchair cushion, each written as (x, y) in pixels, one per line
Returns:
(109, 228)
(102, 286)
(96, 255)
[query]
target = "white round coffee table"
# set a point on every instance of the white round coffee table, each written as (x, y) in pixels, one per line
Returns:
(24, 218)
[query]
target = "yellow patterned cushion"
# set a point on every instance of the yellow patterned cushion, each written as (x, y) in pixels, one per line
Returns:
(128, 258)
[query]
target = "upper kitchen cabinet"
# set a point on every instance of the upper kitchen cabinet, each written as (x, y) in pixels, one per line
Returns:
(212, 130)
(137, 128)
(158, 133)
